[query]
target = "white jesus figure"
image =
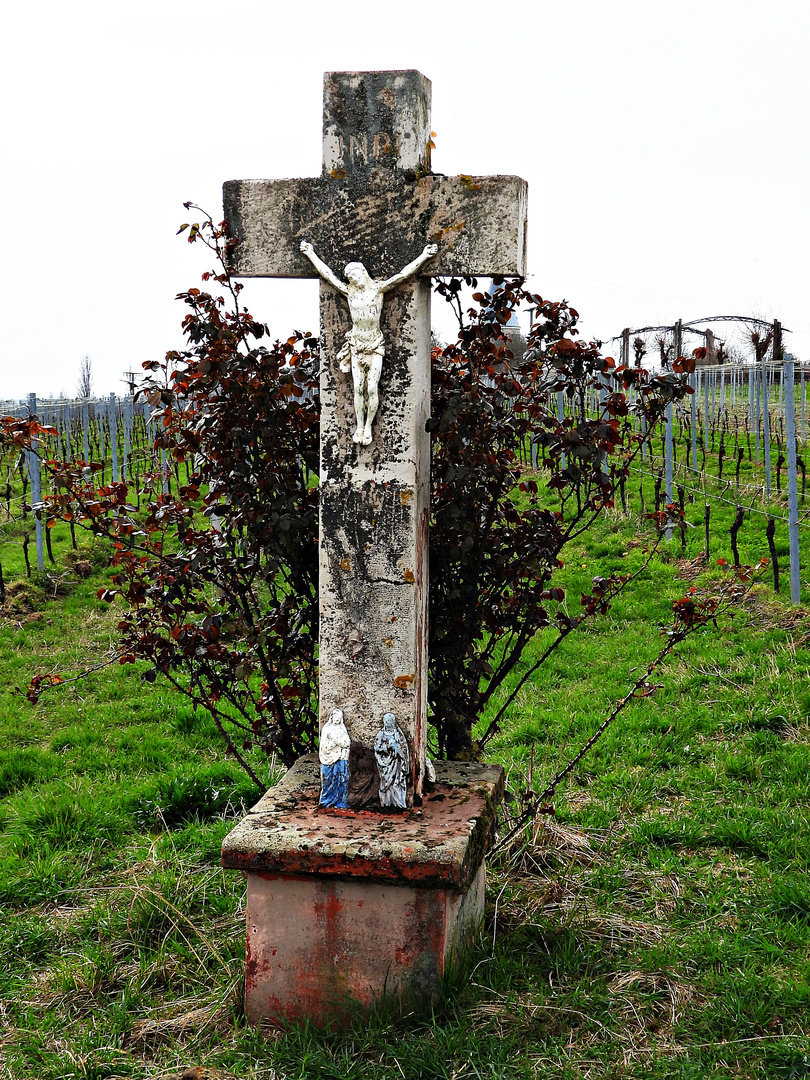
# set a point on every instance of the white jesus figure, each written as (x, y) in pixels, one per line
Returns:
(363, 350)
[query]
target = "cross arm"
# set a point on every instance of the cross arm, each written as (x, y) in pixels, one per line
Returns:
(478, 222)
(264, 217)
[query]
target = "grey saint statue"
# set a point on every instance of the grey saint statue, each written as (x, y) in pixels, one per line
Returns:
(363, 350)
(393, 763)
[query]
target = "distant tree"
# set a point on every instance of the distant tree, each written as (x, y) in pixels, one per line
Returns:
(666, 349)
(85, 385)
(639, 350)
(761, 341)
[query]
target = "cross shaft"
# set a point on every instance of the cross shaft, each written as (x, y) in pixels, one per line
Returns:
(377, 202)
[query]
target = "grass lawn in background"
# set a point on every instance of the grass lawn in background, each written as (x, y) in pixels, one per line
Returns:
(657, 926)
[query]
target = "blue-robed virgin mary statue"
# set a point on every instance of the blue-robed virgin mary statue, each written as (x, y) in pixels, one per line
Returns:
(333, 754)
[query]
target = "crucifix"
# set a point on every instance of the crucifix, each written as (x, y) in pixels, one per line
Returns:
(379, 216)
(364, 348)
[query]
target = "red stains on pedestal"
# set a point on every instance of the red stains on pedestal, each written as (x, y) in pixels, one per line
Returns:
(440, 843)
(347, 908)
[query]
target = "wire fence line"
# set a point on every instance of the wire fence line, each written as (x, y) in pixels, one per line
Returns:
(732, 404)
(743, 502)
(738, 404)
(114, 432)
(99, 429)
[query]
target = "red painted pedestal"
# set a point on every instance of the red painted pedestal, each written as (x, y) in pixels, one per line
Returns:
(346, 908)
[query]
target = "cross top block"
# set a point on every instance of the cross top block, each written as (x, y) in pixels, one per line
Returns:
(376, 201)
(375, 119)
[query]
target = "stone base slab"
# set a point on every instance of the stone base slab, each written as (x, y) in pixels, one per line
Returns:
(348, 908)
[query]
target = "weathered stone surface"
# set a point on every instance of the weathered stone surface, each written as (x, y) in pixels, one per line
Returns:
(374, 499)
(377, 203)
(346, 908)
(373, 530)
(439, 844)
(478, 221)
(322, 948)
(377, 118)
(376, 200)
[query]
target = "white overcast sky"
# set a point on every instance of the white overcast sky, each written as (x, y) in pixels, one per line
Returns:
(665, 146)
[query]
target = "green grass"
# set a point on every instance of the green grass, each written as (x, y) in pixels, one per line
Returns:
(657, 927)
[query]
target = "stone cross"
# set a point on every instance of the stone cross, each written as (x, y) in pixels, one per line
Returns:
(376, 203)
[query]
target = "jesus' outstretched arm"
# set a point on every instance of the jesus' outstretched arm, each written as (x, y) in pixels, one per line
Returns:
(409, 270)
(327, 274)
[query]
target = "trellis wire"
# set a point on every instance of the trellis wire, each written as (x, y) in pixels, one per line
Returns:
(115, 431)
(771, 407)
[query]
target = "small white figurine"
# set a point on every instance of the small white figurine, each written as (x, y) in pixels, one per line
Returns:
(364, 349)
(333, 754)
(393, 762)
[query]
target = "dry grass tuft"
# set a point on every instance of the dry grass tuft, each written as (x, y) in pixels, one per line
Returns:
(667, 892)
(768, 611)
(516, 1010)
(199, 1072)
(528, 898)
(643, 993)
(547, 845)
(613, 930)
(191, 1021)
(537, 903)
(563, 842)
(648, 1006)
(691, 569)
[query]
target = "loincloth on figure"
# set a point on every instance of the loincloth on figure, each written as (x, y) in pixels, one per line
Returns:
(361, 346)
